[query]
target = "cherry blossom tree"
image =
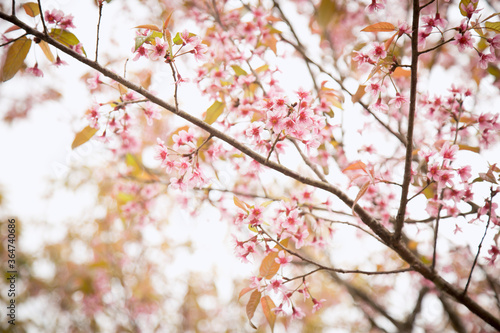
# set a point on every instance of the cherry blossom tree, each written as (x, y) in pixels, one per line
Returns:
(349, 146)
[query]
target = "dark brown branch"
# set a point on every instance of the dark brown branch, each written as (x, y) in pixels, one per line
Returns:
(436, 231)
(384, 234)
(42, 17)
(456, 321)
(411, 119)
(400, 137)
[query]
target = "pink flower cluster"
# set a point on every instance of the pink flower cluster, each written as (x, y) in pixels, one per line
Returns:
(179, 161)
(58, 18)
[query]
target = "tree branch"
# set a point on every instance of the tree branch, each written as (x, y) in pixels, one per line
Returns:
(411, 119)
(384, 234)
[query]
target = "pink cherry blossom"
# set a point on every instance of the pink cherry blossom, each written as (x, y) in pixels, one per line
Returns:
(463, 40)
(283, 259)
(35, 70)
(158, 50)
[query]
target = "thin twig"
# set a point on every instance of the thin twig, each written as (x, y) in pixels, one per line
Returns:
(13, 40)
(98, 29)
(331, 269)
(42, 17)
(480, 243)
(308, 161)
(299, 43)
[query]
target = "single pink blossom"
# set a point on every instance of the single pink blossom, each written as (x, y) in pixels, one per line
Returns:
(463, 40)
(399, 100)
(35, 71)
(283, 259)
(158, 50)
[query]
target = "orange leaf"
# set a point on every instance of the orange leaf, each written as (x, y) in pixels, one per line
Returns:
(380, 27)
(359, 94)
(358, 165)
(269, 267)
(401, 72)
(267, 307)
(149, 26)
(46, 50)
(388, 42)
(270, 41)
(244, 291)
(13, 28)
(252, 304)
(167, 21)
(15, 58)
(362, 191)
(31, 8)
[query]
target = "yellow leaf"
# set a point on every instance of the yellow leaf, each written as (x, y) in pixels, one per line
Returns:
(46, 50)
(214, 111)
(252, 304)
(326, 11)
(380, 27)
(83, 136)
(262, 68)
(267, 307)
(65, 37)
(465, 3)
(494, 26)
(15, 58)
(466, 147)
(238, 70)
(240, 203)
(31, 8)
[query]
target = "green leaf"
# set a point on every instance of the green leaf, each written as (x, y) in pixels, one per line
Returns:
(83, 136)
(495, 26)
(214, 111)
(15, 58)
(178, 40)
(267, 307)
(65, 37)
(238, 70)
(31, 8)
